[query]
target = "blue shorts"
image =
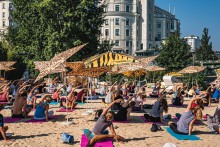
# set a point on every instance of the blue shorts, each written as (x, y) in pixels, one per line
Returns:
(89, 135)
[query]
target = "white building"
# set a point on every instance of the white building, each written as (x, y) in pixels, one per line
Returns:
(193, 41)
(5, 15)
(137, 26)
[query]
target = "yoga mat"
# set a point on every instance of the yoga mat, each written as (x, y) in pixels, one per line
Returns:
(54, 103)
(11, 120)
(114, 121)
(81, 104)
(65, 110)
(104, 143)
(40, 121)
(148, 122)
(181, 137)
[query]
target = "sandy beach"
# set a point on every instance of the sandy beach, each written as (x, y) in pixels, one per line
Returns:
(137, 132)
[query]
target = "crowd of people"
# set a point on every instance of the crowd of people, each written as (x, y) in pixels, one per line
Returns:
(121, 99)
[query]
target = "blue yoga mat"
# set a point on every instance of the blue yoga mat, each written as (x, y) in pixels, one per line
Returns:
(81, 104)
(181, 137)
(54, 103)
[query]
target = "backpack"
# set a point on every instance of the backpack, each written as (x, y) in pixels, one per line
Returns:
(67, 138)
(155, 128)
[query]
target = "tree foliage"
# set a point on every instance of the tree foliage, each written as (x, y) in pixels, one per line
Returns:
(47, 27)
(175, 53)
(205, 52)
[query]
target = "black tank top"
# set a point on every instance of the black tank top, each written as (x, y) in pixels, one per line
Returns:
(122, 113)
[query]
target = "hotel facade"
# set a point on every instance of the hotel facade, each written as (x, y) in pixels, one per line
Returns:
(137, 26)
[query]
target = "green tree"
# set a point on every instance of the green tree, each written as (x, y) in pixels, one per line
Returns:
(175, 53)
(3, 52)
(47, 27)
(205, 52)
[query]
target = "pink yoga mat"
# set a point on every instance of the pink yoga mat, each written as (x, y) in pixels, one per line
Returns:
(11, 120)
(104, 143)
(143, 118)
(40, 121)
(64, 110)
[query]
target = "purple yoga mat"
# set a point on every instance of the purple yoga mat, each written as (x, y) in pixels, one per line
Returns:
(40, 121)
(104, 143)
(120, 121)
(11, 120)
(64, 110)
(143, 118)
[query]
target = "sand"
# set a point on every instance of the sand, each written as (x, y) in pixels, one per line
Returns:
(137, 133)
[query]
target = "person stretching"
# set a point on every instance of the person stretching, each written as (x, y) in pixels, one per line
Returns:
(156, 114)
(99, 131)
(187, 119)
(42, 110)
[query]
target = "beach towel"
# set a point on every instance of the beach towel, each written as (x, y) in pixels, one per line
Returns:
(11, 120)
(143, 118)
(40, 121)
(180, 136)
(65, 110)
(104, 143)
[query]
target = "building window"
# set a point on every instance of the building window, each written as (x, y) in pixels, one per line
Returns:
(127, 43)
(116, 21)
(106, 22)
(3, 6)
(172, 25)
(150, 46)
(141, 46)
(137, 32)
(3, 23)
(127, 8)
(130, 43)
(3, 14)
(127, 21)
(116, 32)
(106, 32)
(137, 22)
(159, 36)
(116, 42)
(150, 38)
(137, 43)
(137, 9)
(167, 25)
(117, 8)
(127, 32)
(158, 24)
(149, 16)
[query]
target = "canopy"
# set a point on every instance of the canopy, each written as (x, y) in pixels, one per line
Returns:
(107, 59)
(6, 65)
(192, 69)
(135, 73)
(173, 74)
(56, 64)
(155, 68)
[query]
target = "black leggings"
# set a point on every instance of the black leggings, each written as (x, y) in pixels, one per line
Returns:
(173, 126)
(151, 118)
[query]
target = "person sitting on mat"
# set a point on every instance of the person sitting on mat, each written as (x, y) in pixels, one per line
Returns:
(99, 131)
(42, 110)
(156, 114)
(215, 119)
(216, 93)
(207, 95)
(71, 98)
(125, 110)
(32, 96)
(57, 93)
(178, 97)
(81, 95)
(192, 92)
(3, 129)
(19, 109)
(188, 118)
(155, 92)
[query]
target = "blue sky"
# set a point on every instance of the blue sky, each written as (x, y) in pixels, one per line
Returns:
(195, 15)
